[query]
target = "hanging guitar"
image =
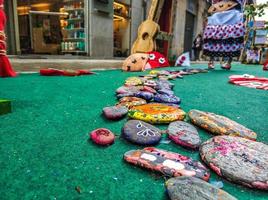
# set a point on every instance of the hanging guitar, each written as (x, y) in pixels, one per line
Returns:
(147, 32)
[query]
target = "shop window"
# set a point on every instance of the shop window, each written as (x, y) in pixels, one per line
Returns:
(52, 26)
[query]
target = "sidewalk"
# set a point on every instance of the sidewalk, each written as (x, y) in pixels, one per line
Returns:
(34, 64)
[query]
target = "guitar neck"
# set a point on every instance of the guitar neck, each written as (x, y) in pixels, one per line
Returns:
(152, 10)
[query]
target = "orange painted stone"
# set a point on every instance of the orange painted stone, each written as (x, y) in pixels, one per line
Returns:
(156, 113)
(220, 125)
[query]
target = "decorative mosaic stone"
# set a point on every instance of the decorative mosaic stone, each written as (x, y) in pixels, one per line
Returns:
(237, 159)
(145, 95)
(156, 113)
(166, 91)
(102, 136)
(220, 125)
(115, 112)
(167, 163)
(164, 98)
(141, 133)
(184, 134)
(189, 188)
(133, 81)
(149, 83)
(129, 89)
(130, 94)
(131, 101)
(163, 84)
(148, 89)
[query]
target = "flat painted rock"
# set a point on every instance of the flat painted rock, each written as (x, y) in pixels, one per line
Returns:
(237, 159)
(166, 91)
(131, 101)
(165, 98)
(128, 89)
(156, 113)
(167, 163)
(141, 133)
(163, 84)
(191, 188)
(129, 94)
(115, 112)
(184, 134)
(149, 83)
(148, 96)
(220, 125)
(133, 81)
(148, 89)
(102, 136)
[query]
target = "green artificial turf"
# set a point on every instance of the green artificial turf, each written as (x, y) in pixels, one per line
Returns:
(44, 146)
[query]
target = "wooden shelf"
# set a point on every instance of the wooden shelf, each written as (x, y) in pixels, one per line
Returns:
(74, 9)
(75, 19)
(73, 51)
(75, 29)
(75, 39)
(67, 1)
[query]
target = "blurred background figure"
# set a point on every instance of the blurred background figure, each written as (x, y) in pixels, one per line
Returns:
(197, 46)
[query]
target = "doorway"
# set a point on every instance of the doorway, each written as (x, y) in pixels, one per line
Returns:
(165, 26)
(189, 32)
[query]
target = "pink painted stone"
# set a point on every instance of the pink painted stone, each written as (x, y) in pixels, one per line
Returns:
(102, 136)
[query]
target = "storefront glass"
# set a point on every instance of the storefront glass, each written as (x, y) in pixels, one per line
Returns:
(52, 26)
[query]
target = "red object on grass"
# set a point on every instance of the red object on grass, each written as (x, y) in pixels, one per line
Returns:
(102, 136)
(58, 72)
(249, 81)
(5, 66)
(156, 60)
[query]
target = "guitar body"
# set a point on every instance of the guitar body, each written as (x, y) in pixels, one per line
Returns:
(146, 35)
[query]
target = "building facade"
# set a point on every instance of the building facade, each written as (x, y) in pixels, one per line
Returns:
(99, 28)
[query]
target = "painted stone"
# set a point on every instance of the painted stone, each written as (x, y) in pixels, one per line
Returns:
(148, 89)
(148, 96)
(163, 84)
(166, 91)
(184, 134)
(237, 159)
(149, 83)
(167, 163)
(102, 136)
(141, 133)
(189, 188)
(156, 113)
(171, 104)
(115, 112)
(220, 125)
(165, 98)
(131, 101)
(129, 94)
(133, 81)
(129, 89)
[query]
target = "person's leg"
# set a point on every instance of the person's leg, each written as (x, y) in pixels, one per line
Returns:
(211, 63)
(228, 66)
(195, 54)
(198, 54)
